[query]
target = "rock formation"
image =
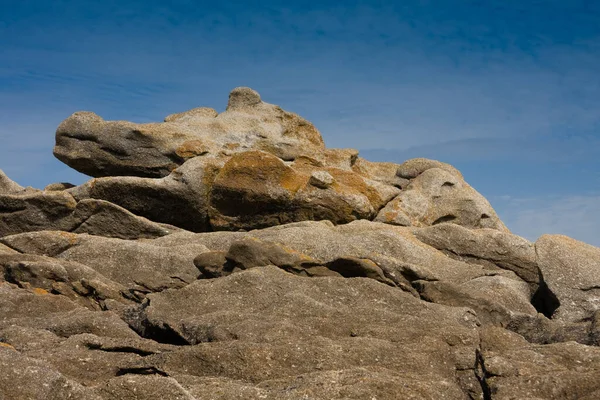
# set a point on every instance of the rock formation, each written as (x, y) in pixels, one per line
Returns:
(232, 255)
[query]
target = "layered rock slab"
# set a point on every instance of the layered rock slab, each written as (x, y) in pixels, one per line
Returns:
(139, 266)
(35, 210)
(264, 324)
(97, 147)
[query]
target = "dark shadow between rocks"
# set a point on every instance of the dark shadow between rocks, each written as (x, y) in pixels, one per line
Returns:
(544, 300)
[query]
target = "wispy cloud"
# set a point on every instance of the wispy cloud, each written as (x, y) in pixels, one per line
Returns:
(574, 216)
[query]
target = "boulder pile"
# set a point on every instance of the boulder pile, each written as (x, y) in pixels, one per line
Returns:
(234, 256)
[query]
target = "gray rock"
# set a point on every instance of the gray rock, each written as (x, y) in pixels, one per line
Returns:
(510, 368)
(494, 299)
(180, 199)
(483, 246)
(140, 265)
(102, 218)
(8, 186)
(143, 387)
(384, 172)
(25, 378)
(414, 167)
(321, 179)
(76, 281)
(58, 210)
(34, 211)
(571, 270)
(436, 196)
(87, 143)
(260, 324)
(59, 186)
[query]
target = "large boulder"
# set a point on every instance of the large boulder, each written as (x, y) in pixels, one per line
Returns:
(438, 195)
(179, 199)
(227, 256)
(74, 280)
(25, 378)
(96, 147)
(256, 190)
(571, 270)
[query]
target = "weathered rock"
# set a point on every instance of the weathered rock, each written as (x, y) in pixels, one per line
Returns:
(511, 368)
(180, 199)
(252, 253)
(8, 186)
(102, 218)
(141, 387)
(34, 211)
(571, 270)
(76, 281)
(414, 167)
(140, 266)
(212, 264)
(24, 378)
(494, 299)
(7, 250)
(85, 358)
(484, 246)
(384, 172)
(362, 324)
(435, 196)
(58, 210)
(256, 190)
(96, 147)
(59, 186)
(18, 303)
(233, 256)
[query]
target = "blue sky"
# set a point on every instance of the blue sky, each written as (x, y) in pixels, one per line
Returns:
(507, 91)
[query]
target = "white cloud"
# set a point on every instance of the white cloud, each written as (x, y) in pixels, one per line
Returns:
(574, 216)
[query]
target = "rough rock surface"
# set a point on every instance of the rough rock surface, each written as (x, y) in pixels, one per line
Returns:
(232, 256)
(571, 269)
(435, 196)
(97, 147)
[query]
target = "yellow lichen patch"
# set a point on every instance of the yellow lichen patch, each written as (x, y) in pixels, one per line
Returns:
(257, 171)
(306, 160)
(71, 237)
(232, 146)
(350, 182)
(292, 181)
(191, 148)
(40, 291)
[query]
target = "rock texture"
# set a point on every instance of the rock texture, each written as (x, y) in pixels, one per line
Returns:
(97, 147)
(228, 256)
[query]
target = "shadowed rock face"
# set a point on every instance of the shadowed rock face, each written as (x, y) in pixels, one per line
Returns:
(227, 256)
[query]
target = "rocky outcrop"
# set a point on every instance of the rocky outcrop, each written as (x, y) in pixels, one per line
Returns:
(97, 147)
(571, 270)
(435, 196)
(227, 256)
